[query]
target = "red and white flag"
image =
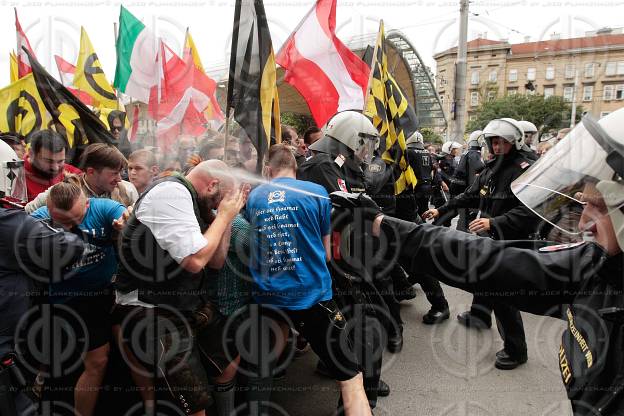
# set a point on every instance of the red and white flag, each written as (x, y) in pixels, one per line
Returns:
(326, 73)
(66, 74)
(23, 64)
(179, 103)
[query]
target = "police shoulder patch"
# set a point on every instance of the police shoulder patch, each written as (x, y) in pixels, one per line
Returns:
(560, 247)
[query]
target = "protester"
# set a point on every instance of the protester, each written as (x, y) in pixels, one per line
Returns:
(101, 178)
(45, 162)
(142, 169)
(170, 223)
(291, 274)
(86, 289)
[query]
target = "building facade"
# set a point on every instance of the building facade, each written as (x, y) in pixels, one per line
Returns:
(587, 70)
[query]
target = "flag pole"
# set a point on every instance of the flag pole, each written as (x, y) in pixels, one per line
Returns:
(226, 136)
(372, 67)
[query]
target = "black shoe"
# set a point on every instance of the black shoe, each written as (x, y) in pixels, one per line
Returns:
(471, 321)
(506, 362)
(383, 389)
(322, 370)
(405, 293)
(435, 316)
(395, 342)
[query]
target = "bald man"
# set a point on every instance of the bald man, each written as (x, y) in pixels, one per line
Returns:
(169, 239)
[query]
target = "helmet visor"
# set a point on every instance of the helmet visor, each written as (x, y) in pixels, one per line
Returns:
(13, 181)
(559, 185)
(367, 144)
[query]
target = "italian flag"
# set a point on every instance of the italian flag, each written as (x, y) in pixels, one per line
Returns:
(137, 50)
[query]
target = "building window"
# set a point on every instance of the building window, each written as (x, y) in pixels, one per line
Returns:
(550, 72)
(620, 68)
(474, 77)
(513, 75)
(512, 91)
(619, 92)
(604, 113)
(493, 76)
(474, 99)
(589, 70)
(568, 93)
(607, 92)
(611, 69)
(531, 74)
(472, 117)
(588, 93)
(491, 95)
(549, 92)
(569, 71)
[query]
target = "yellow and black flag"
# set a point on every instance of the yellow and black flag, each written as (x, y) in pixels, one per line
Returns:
(69, 116)
(252, 85)
(21, 108)
(90, 78)
(389, 110)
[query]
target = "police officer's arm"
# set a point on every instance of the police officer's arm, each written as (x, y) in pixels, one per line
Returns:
(532, 281)
(514, 222)
(43, 250)
(470, 198)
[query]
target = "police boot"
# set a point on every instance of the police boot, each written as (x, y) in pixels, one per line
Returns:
(395, 340)
(435, 316)
(471, 321)
(504, 361)
(384, 389)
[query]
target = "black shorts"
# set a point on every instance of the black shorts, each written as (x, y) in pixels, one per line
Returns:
(171, 348)
(95, 313)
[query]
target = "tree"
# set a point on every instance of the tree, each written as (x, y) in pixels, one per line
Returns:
(299, 122)
(552, 113)
(430, 136)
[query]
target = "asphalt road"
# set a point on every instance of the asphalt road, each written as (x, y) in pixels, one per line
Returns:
(445, 370)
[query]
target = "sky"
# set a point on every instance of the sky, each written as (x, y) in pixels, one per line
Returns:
(53, 27)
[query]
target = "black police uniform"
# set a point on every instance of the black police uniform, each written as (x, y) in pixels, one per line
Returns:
(444, 173)
(529, 153)
(469, 166)
(31, 252)
(509, 220)
(421, 163)
(579, 283)
(336, 169)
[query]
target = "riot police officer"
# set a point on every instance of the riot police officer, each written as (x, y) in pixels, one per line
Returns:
(349, 140)
(530, 133)
(447, 162)
(580, 283)
(503, 217)
(469, 166)
(421, 162)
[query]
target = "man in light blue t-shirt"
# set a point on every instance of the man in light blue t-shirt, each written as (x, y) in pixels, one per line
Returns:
(85, 285)
(290, 248)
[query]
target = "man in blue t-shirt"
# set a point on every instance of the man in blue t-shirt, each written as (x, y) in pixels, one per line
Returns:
(84, 287)
(290, 249)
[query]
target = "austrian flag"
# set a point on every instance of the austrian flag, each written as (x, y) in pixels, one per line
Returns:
(326, 73)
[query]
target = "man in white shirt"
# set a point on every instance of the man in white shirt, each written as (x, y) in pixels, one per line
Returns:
(163, 252)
